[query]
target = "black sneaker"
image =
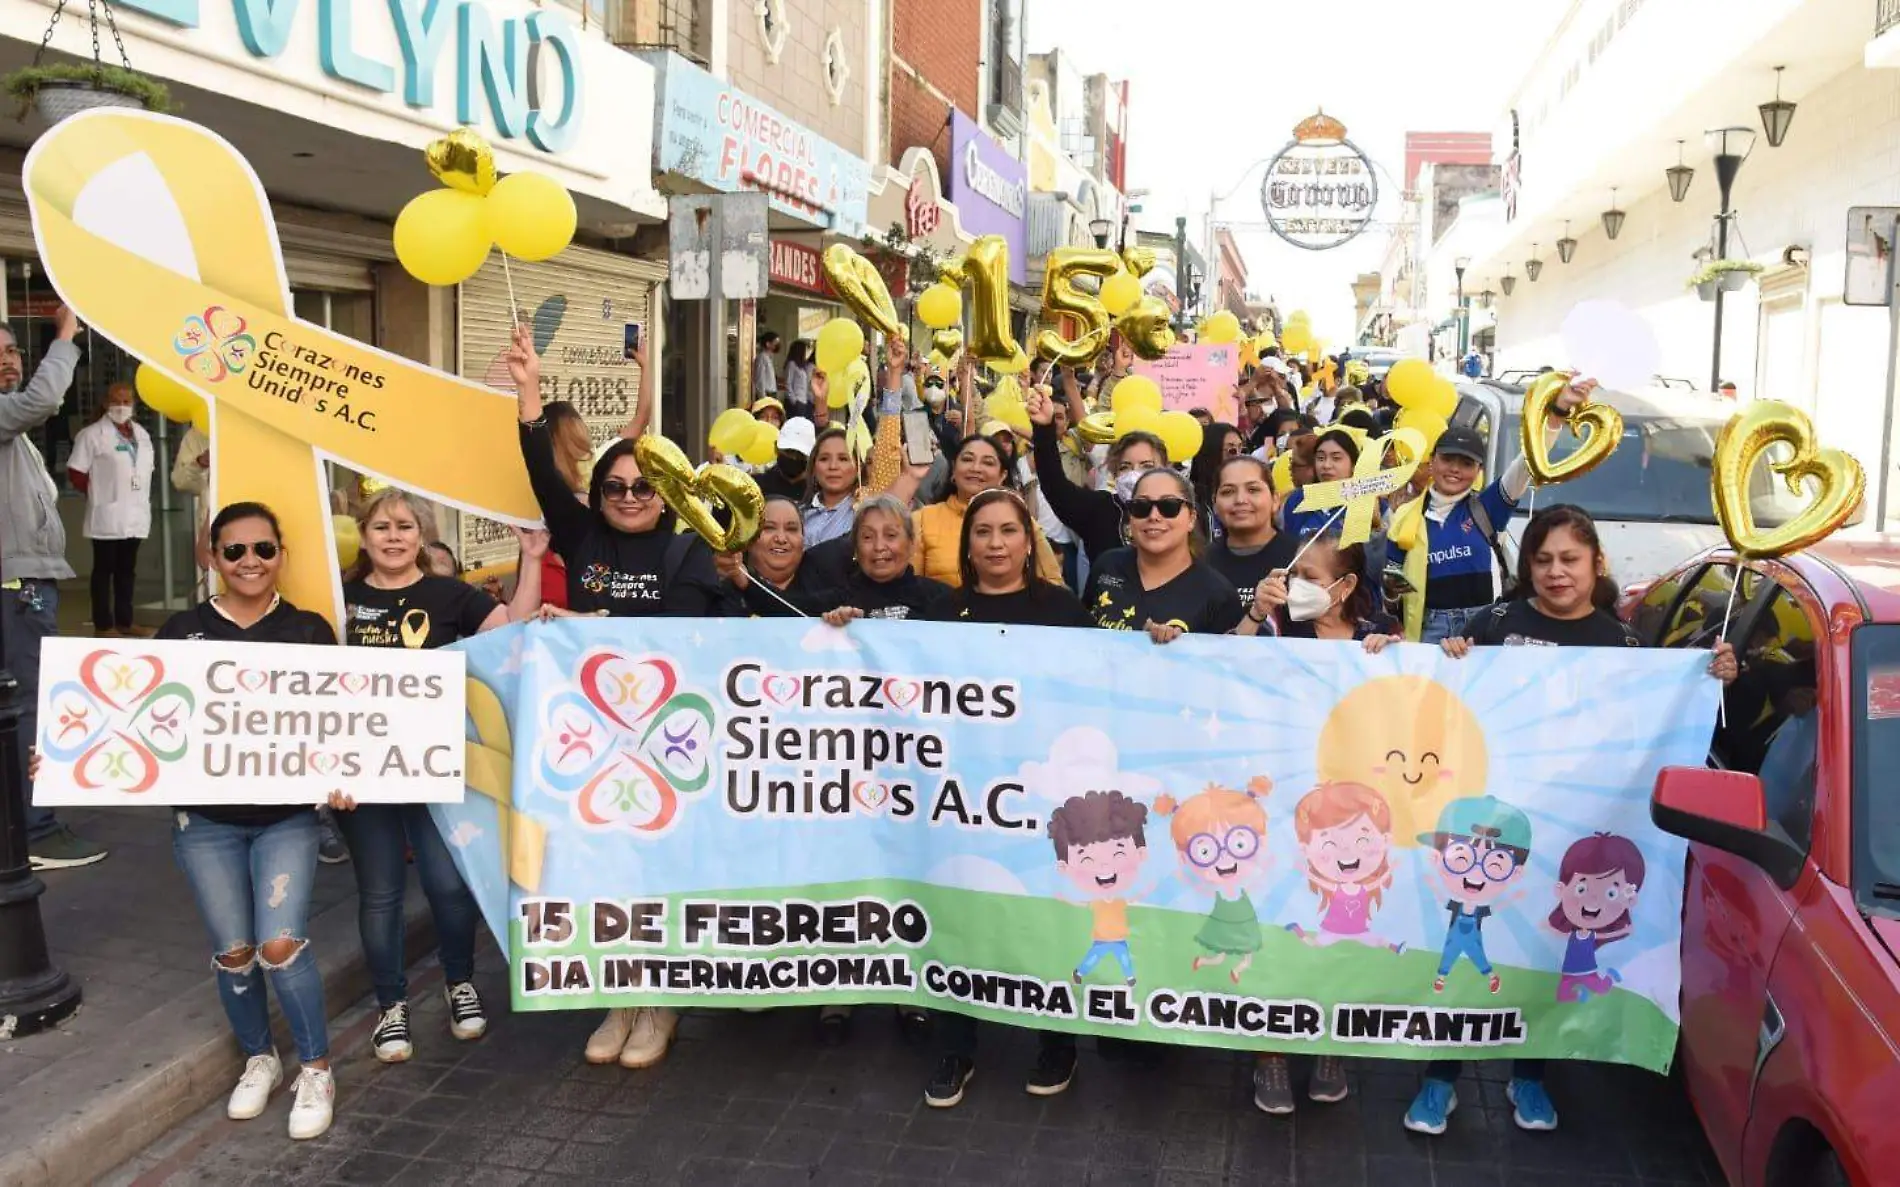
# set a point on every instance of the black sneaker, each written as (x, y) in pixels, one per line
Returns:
(947, 1084)
(391, 1036)
(331, 850)
(63, 849)
(1055, 1068)
(466, 1019)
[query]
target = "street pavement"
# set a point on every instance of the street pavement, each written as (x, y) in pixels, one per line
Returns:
(753, 1099)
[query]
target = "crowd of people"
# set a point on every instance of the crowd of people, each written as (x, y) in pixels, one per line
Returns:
(999, 526)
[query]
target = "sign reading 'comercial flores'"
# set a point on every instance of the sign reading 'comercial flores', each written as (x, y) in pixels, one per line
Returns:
(1320, 190)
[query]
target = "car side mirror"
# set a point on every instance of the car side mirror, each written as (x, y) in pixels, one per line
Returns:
(1725, 810)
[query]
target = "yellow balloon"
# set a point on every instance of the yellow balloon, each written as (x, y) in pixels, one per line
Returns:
(1408, 380)
(201, 418)
(1119, 293)
(760, 444)
(442, 237)
(531, 216)
(349, 541)
(1427, 424)
(854, 380)
(1296, 340)
(165, 395)
(1299, 317)
(1135, 393)
(731, 430)
(939, 306)
(1182, 435)
(839, 341)
(1440, 398)
(1006, 404)
(1139, 420)
(1221, 329)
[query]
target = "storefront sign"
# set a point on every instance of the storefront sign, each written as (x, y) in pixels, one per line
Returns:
(990, 189)
(721, 137)
(1319, 191)
(487, 56)
(921, 211)
(796, 266)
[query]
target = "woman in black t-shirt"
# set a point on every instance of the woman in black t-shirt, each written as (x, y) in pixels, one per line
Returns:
(1561, 565)
(880, 582)
(770, 580)
(1252, 547)
(997, 558)
(1157, 584)
(252, 869)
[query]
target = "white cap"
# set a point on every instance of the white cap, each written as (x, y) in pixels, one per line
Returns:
(798, 436)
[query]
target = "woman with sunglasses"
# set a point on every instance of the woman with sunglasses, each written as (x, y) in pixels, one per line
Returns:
(1159, 584)
(979, 464)
(1095, 516)
(624, 560)
(389, 601)
(252, 868)
(769, 576)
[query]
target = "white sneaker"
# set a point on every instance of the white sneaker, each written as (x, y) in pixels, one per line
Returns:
(466, 1020)
(391, 1036)
(653, 1029)
(604, 1045)
(262, 1075)
(316, 1099)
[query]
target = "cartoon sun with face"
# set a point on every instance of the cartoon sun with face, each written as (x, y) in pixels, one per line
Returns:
(1412, 740)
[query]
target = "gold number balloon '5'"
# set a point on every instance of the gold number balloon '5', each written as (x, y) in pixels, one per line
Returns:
(157, 232)
(1748, 435)
(1061, 297)
(1604, 422)
(691, 495)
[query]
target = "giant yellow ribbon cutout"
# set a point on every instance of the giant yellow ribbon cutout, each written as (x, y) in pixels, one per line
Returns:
(1371, 481)
(112, 193)
(490, 772)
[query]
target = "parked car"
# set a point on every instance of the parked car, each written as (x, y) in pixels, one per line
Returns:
(1790, 1040)
(1651, 498)
(1378, 359)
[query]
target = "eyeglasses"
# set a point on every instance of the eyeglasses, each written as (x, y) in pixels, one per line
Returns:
(1170, 507)
(233, 552)
(1497, 865)
(9, 352)
(1240, 843)
(615, 490)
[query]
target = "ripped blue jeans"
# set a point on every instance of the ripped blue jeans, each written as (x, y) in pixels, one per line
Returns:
(253, 887)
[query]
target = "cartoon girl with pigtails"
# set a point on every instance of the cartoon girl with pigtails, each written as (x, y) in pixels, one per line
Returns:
(1220, 835)
(1345, 834)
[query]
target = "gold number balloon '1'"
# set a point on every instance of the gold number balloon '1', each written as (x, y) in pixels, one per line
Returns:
(691, 496)
(984, 270)
(1748, 435)
(1060, 297)
(862, 288)
(1604, 422)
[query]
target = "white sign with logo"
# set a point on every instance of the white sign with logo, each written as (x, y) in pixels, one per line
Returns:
(127, 723)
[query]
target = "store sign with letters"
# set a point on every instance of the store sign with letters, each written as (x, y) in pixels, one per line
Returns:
(796, 266)
(990, 189)
(132, 722)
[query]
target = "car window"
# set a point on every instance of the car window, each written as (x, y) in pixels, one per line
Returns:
(1698, 620)
(1876, 727)
(1771, 723)
(1653, 610)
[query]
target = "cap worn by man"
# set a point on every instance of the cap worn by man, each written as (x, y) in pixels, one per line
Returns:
(798, 436)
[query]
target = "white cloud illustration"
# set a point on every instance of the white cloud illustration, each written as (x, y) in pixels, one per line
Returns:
(465, 834)
(1082, 760)
(828, 638)
(976, 873)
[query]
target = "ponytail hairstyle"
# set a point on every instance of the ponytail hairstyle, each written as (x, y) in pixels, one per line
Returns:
(1566, 515)
(1215, 810)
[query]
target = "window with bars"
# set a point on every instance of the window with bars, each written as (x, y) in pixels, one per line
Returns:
(677, 25)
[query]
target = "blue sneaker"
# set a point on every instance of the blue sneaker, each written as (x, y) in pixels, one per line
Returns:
(1531, 1107)
(1432, 1107)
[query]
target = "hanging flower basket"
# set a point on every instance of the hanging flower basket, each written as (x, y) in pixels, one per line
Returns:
(60, 90)
(1706, 290)
(1729, 275)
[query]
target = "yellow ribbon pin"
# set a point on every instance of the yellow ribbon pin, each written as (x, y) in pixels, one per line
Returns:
(490, 772)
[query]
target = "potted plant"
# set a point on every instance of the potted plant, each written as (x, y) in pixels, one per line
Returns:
(61, 89)
(1728, 275)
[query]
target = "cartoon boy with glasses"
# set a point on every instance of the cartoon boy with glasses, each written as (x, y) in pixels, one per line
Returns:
(1478, 853)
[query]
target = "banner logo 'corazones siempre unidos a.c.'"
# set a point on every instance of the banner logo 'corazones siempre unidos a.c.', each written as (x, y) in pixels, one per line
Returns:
(120, 723)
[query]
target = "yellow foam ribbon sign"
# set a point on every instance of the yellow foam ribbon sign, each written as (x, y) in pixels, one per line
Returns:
(157, 233)
(490, 772)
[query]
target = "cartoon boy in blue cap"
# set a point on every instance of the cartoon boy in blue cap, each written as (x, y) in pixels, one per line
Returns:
(1478, 852)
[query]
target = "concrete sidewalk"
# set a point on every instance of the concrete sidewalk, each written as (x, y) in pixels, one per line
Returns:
(149, 1046)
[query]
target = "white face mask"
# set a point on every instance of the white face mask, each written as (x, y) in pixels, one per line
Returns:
(1307, 600)
(1124, 484)
(119, 413)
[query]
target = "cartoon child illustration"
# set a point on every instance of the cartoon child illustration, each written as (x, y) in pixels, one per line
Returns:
(1478, 854)
(1221, 837)
(1100, 845)
(1345, 832)
(1597, 885)
(1413, 741)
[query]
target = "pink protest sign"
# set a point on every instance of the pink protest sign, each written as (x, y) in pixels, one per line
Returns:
(1197, 375)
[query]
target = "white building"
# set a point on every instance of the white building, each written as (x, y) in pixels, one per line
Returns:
(1624, 90)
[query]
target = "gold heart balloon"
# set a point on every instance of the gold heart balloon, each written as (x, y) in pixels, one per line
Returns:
(862, 288)
(462, 160)
(1744, 440)
(944, 345)
(1140, 260)
(692, 496)
(1097, 428)
(1604, 422)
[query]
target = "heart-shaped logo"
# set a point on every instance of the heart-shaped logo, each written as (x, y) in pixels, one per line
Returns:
(193, 337)
(624, 689)
(692, 496)
(324, 763)
(902, 694)
(870, 794)
(223, 323)
(628, 791)
(251, 680)
(117, 762)
(355, 683)
(163, 721)
(121, 681)
(783, 690)
(1605, 425)
(680, 741)
(1746, 438)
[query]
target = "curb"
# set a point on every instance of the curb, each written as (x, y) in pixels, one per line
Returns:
(82, 1131)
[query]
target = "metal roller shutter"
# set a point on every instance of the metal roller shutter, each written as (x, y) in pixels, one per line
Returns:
(578, 306)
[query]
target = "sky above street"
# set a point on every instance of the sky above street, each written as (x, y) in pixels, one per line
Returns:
(1216, 86)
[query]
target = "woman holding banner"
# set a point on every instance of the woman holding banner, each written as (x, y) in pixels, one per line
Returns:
(1326, 596)
(769, 576)
(1251, 549)
(879, 582)
(390, 602)
(979, 464)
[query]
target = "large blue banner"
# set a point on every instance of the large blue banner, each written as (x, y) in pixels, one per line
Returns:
(1265, 844)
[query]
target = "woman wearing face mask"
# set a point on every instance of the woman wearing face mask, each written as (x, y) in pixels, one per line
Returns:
(252, 868)
(776, 585)
(1325, 596)
(1252, 548)
(111, 463)
(1095, 516)
(978, 465)
(1157, 584)
(880, 582)
(1335, 453)
(389, 601)
(1569, 592)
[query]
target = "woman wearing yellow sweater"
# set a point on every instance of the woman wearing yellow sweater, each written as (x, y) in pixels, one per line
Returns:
(978, 466)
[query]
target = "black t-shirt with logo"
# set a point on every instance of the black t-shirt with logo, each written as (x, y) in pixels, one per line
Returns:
(1042, 604)
(284, 623)
(1200, 599)
(1522, 624)
(1246, 569)
(425, 614)
(906, 596)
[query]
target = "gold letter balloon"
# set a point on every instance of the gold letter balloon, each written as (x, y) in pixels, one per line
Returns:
(985, 271)
(1061, 297)
(1749, 435)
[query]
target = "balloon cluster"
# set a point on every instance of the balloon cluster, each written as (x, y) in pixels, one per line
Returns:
(1297, 337)
(443, 236)
(171, 399)
(1425, 398)
(1135, 407)
(738, 433)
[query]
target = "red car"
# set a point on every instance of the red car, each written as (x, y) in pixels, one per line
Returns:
(1791, 910)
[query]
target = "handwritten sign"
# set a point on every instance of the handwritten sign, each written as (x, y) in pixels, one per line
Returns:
(1197, 375)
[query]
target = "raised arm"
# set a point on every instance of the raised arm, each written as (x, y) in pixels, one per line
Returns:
(526, 602)
(642, 418)
(34, 404)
